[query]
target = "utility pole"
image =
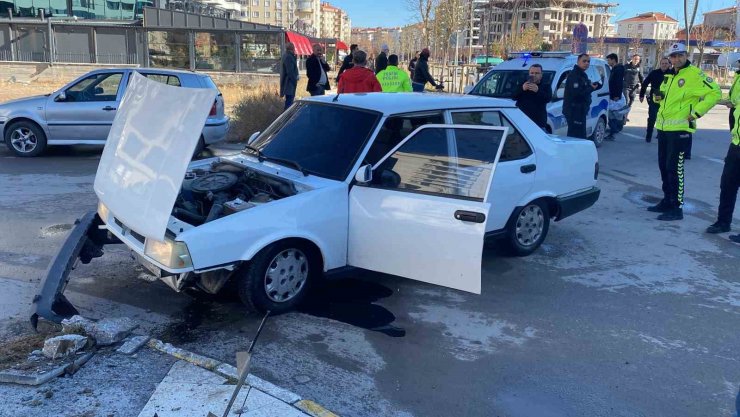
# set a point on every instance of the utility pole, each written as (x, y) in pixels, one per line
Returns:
(472, 15)
(737, 23)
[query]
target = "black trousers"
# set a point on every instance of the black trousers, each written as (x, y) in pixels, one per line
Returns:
(652, 116)
(577, 126)
(672, 147)
(732, 118)
(729, 185)
(630, 92)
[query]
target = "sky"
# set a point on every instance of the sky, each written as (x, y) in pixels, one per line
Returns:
(371, 13)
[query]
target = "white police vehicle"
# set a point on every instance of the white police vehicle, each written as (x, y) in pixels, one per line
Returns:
(503, 79)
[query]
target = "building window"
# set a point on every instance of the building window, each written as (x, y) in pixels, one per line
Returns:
(536, 16)
(259, 51)
(524, 15)
(168, 49)
(629, 27)
(255, 14)
(639, 27)
(267, 3)
(215, 51)
(267, 15)
(536, 26)
(553, 26)
(255, 2)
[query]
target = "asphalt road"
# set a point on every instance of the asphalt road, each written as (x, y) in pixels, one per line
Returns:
(616, 315)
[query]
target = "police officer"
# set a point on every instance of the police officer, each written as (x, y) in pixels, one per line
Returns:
(577, 97)
(685, 95)
(731, 173)
(632, 78)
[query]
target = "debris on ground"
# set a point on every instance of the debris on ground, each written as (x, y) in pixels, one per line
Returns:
(16, 351)
(105, 332)
(133, 344)
(65, 345)
(40, 372)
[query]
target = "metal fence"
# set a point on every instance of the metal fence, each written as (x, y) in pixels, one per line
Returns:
(83, 58)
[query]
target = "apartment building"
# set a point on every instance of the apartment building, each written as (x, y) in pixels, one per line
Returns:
(371, 39)
(308, 17)
(334, 23)
(650, 25)
(553, 19)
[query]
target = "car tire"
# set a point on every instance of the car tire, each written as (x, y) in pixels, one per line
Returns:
(528, 228)
(32, 145)
(278, 277)
(599, 132)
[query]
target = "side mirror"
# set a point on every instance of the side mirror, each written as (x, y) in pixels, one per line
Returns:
(560, 93)
(61, 97)
(252, 138)
(468, 89)
(98, 91)
(365, 174)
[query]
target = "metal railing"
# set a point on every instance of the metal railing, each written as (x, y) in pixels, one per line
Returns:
(86, 58)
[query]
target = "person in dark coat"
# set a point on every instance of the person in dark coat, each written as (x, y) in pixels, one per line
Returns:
(616, 78)
(577, 98)
(316, 71)
(632, 79)
(654, 79)
(412, 63)
(381, 62)
(347, 62)
(531, 97)
(421, 73)
(288, 74)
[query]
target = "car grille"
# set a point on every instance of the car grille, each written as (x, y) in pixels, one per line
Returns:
(127, 231)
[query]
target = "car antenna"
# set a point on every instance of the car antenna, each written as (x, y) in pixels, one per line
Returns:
(336, 98)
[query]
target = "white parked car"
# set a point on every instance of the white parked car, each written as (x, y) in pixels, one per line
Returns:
(403, 184)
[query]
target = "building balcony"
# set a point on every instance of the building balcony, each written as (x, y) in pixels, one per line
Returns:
(305, 6)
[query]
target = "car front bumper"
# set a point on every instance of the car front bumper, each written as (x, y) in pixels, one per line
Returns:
(572, 204)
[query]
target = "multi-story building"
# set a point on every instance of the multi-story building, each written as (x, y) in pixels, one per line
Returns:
(334, 23)
(553, 19)
(650, 25)
(268, 12)
(308, 17)
(371, 39)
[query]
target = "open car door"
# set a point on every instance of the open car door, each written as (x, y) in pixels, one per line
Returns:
(423, 214)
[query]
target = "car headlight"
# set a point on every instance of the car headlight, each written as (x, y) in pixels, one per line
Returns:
(103, 212)
(169, 253)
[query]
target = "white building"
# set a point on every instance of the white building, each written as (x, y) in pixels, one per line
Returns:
(650, 25)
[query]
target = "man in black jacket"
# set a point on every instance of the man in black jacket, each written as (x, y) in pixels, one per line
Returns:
(412, 63)
(532, 98)
(616, 78)
(347, 62)
(381, 62)
(577, 98)
(421, 73)
(654, 79)
(632, 79)
(316, 71)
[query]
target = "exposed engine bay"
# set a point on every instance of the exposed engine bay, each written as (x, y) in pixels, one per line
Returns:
(224, 188)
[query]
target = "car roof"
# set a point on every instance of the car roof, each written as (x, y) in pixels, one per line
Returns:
(149, 70)
(398, 103)
(548, 63)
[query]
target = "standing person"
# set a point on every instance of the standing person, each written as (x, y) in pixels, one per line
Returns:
(347, 63)
(381, 62)
(730, 104)
(359, 78)
(577, 98)
(730, 180)
(316, 70)
(632, 79)
(532, 98)
(654, 79)
(616, 89)
(289, 74)
(393, 79)
(686, 94)
(412, 63)
(421, 73)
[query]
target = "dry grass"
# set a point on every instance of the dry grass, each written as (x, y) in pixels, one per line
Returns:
(12, 91)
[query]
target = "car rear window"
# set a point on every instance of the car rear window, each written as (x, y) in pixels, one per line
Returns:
(208, 82)
(165, 79)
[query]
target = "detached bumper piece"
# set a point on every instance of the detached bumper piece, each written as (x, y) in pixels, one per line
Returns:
(85, 242)
(578, 202)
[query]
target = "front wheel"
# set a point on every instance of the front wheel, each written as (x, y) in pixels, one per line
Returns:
(528, 228)
(25, 138)
(599, 132)
(278, 277)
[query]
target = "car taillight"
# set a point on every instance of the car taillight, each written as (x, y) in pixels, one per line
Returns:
(213, 109)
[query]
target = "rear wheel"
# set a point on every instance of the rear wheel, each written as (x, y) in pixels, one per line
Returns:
(599, 132)
(528, 228)
(25, 138)
(278, 277)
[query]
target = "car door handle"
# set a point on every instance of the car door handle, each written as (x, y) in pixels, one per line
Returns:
(470, 216)
(109, 108)
(526, 169)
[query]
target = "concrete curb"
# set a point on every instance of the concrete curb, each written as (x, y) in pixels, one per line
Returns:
(230, 372)
(38, 379)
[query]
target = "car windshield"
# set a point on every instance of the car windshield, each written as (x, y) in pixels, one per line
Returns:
(322, 139)
(503, 83)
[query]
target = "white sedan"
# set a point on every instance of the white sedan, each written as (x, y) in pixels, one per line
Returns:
(404, 184)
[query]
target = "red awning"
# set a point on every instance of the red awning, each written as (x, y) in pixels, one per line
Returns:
(302, 44)
(341, 46)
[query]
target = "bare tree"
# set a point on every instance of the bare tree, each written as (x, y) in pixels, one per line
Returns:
(449, 20)
(424, 9)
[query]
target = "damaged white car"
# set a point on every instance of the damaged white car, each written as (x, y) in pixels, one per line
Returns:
(403, 184)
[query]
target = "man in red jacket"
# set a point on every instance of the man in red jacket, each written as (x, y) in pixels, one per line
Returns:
(359, 78)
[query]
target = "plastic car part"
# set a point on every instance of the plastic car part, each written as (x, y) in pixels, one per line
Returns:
(214, 183)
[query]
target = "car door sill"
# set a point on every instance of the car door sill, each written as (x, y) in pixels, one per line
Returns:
(76, 142)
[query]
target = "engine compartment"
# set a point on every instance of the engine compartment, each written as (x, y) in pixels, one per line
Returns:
(224, 188)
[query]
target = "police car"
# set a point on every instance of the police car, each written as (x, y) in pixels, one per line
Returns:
(502, 81)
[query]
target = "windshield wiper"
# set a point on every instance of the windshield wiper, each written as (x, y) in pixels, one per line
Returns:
(262, 157)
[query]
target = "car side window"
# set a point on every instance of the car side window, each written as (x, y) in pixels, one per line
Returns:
(443, 161)
(165, 79)
(561, 80)
(515, 147)
(395, 129)
(602, 74)
(99, 87)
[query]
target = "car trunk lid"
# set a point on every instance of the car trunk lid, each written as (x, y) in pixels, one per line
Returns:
(148, 150)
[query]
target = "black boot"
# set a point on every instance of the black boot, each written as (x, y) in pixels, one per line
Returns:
(671, 215)
(661, 207)
(718, 227)
(649, 136)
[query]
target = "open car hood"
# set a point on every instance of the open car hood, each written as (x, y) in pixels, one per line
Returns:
(150, 145)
